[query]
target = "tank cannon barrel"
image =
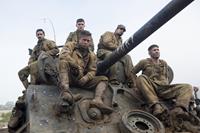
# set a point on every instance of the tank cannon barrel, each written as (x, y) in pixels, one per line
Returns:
(164, 15)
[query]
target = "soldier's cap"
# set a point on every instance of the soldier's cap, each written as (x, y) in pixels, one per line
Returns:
(120, 26)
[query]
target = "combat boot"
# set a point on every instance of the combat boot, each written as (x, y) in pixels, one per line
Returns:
(179, 112)
(157, 109)
(97, 101)
(15, 119)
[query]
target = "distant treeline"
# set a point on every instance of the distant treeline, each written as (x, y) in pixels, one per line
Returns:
(8, 106)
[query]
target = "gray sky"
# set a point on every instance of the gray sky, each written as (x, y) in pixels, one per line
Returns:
(178, 39)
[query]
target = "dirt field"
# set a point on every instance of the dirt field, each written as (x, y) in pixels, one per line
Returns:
(3, 124)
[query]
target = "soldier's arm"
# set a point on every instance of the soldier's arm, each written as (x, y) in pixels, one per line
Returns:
(92, 67)
(108, 41)
(66, 53)
(138, 67)
(53, 49)
(69, 38)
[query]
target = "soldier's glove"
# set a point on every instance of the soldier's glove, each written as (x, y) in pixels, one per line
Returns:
(83, 81)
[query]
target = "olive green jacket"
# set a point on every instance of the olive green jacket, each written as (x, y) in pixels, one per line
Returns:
(87, 65)
(156, 72)
(74, 36)
(46, 46)
(107, 43)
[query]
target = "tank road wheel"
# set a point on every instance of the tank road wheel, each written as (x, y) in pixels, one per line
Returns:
(137, 121)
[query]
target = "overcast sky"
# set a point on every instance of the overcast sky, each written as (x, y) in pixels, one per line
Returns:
(179, 39)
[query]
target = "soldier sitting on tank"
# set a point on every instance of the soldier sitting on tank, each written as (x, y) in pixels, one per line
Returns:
(74, 36)
(49, 48)
(154, 85)
(44, 45)
(77, 67)
(109, 42)
(17, 118)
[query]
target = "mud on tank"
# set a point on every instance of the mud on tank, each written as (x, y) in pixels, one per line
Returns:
(130, 111)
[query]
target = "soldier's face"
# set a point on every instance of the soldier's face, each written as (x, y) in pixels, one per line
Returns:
(154, 53)
(85, 41)
(119, 31)
(80, 25)
(40, 35)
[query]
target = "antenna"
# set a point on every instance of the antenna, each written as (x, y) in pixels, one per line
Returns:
(52, 26)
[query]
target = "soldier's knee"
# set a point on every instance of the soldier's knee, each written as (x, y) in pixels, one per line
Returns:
(187, 89)
(128, 57)
(140, 79)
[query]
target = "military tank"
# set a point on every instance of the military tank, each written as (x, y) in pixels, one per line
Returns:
(131, 113)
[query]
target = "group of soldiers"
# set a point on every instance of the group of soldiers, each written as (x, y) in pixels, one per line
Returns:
(77, 66)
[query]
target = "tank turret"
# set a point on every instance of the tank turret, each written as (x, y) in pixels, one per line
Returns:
(130, 112)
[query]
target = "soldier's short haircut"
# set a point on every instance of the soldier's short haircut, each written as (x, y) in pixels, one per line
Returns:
(85, 33)
(80, 20)
(153, 46)
(40, 30)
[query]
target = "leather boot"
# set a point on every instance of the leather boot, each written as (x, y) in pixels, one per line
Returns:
(15, 119)
(97, 101)
(157, 109)
(179, 112)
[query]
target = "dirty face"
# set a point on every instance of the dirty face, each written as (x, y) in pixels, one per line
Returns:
(154, 53)
(119, 31)
(84, 42)
(80, 25)
(40, 35)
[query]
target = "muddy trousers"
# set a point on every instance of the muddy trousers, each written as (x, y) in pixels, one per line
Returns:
(152, 92)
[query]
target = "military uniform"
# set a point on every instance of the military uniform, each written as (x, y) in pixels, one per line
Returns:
(74, 36)
(107, 44)
(73, 64)
(154, 84)
(17, 118)
(77, 67)
(43, 45)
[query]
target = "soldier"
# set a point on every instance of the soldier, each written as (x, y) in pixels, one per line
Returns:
(154, 84)
(17, 118)
(108, 42)
(74, 36)
(43, 44)
(77, 67)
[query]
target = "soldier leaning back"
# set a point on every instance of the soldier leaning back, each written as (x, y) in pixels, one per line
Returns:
(154, 84)
(77, 67)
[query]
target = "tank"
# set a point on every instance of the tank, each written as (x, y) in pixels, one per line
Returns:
(131, 113)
